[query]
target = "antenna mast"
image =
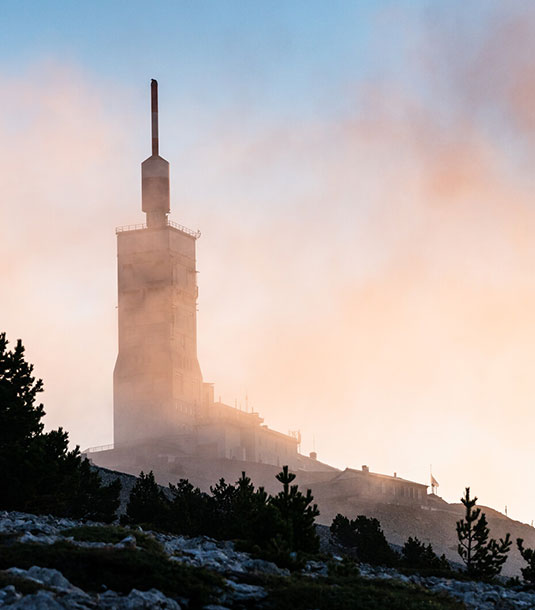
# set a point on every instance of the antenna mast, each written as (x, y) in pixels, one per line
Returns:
(155, 173)
(154, 114)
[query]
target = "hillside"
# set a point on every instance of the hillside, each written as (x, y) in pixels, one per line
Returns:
(58, 564)
(434, 523)
(55, 564)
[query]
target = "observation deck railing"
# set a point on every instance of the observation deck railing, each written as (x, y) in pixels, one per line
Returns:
(169, 223)
(100, 448)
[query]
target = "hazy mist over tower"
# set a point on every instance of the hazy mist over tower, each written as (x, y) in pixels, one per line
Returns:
(157, 381)
(366, 268)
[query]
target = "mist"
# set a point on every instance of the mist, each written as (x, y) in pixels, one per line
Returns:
(366, 276)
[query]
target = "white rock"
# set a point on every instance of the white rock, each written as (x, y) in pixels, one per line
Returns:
(42, 600)
(148, 599)
(45, 576)
(9, 595)
(38, 538)
(242, 591)
(127, 543)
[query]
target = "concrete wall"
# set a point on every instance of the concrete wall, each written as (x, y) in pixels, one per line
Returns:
(157, 378)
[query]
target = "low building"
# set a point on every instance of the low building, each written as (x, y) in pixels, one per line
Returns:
(374, 487)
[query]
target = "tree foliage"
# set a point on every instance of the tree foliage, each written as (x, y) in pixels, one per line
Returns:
(283, 523)
(38, 473)
(528, 555)
(417, 555)
(297, 512)
(366, 537)
(483, 557)
(147, 503)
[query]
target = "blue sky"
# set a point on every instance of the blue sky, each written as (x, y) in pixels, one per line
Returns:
(296, 60)
(288, 57)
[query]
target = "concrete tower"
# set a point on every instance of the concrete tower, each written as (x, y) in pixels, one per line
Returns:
(158, 389)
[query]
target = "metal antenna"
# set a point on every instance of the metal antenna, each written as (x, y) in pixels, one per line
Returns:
(154, 111)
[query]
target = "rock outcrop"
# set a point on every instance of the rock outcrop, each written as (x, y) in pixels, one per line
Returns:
(52, 590)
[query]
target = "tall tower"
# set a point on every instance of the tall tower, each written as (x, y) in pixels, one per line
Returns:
(157, 380)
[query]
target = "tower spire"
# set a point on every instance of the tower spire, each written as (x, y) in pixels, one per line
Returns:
(155, 173)
(154, 113)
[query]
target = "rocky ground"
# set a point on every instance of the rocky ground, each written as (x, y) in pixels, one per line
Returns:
(238, 580)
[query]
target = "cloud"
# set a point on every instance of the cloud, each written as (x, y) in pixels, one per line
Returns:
(392, 279)
(61, 181)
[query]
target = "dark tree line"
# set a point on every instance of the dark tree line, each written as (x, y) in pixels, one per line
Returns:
(367, 541)
(483, 557)
(280, 524)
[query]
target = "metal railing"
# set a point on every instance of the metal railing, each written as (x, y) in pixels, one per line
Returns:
(184, 229)
(100, 448)
(169, 223)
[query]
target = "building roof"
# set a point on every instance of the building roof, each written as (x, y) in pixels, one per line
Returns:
(354, 472)
(281, 435)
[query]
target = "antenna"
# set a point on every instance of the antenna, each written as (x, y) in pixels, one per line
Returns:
(154, 114)
(155, 173)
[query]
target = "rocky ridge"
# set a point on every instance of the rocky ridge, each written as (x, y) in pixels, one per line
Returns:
(54, 591)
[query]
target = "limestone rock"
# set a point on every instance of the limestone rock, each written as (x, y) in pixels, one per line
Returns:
(45, 576)
(42, 600)
(244, 592)
(9, 595)
(137, 600)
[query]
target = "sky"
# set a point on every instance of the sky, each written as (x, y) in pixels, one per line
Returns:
(361, 173)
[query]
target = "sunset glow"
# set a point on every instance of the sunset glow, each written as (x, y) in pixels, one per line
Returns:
(364, 186)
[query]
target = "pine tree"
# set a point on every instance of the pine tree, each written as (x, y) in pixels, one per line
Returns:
(244, 513)
(191, 510)
(483, 558)
(147, 504)
(417, 555)
(344, 531)
(528, 555)
(366, 537)
(38, 473)
(298, 514)
(223, 522)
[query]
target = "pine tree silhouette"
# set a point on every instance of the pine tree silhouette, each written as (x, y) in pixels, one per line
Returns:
(528, 555)
(482, 557)
(297, 513)
(38, 473)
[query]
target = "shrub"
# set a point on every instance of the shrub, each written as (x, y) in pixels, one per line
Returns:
(347, 591)
(112, 535)
(118, 569)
